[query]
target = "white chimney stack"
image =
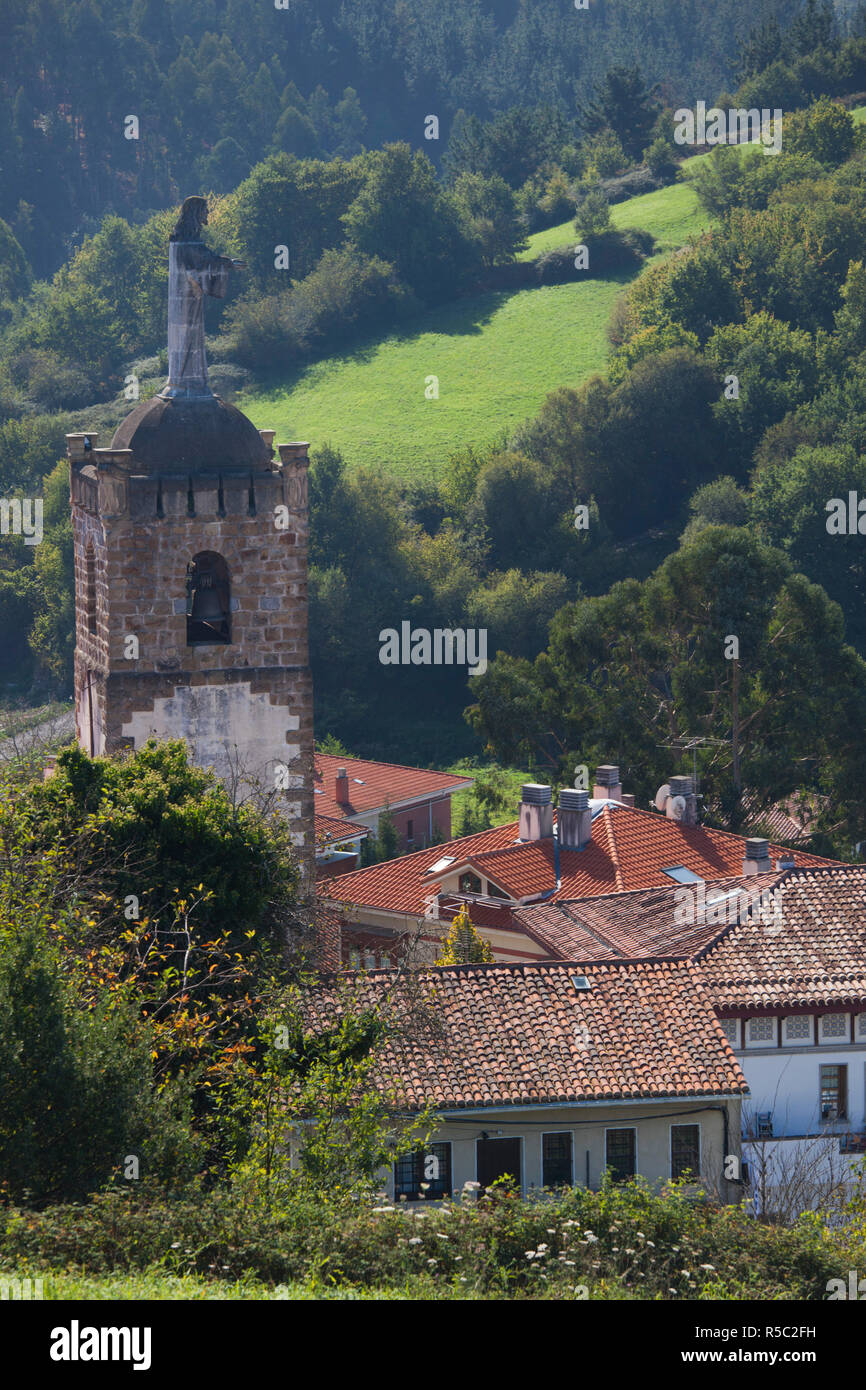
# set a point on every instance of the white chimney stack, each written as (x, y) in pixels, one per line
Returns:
(536, 812)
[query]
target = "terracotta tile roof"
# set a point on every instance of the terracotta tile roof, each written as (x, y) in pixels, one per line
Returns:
(524, 1035)
(329, 830)
(401, 885)
(641, 923)
(371, 785)
(808, 949)
(630, 847)
(816, 957)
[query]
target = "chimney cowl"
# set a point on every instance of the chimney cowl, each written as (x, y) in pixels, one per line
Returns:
(574, 819)
(681, 786)
(607, 775)
(757, 857)
(539, 793)
(573, 799)
(681, 804)
(607, 786)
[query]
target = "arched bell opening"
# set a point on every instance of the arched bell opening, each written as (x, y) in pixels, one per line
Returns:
(208, 600)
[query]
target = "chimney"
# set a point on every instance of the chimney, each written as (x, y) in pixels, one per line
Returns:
(682, 804)
(574, 819)
(536, 812)
(607, 784)
(341, 786)
(757, 860)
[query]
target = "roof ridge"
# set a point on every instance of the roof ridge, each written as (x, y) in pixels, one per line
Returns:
(614, 852)
(400, 767)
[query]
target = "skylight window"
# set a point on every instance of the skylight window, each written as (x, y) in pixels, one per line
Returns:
(580, 983)
(318, 791)
(360, 781)
(681, 875)
(440, 865)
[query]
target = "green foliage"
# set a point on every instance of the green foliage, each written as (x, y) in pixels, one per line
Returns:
(593, 213)
(622, 102)
(825, 131)
(15, 273)
(402, 215)
(489, 212)
(789, 506)
(345, 294)
(76, 1097)
(719, 503)
(656, 653)
(659, 158)
(620, 1242)
(127, 827)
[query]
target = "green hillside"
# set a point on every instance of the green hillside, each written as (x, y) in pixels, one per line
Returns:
(496, 356)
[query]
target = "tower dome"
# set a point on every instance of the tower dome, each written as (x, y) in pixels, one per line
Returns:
(181, 434)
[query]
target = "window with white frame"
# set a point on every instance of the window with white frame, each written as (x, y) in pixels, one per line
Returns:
(731, 1030)
(834, 1028)
(797, 1029)
(761, 1032)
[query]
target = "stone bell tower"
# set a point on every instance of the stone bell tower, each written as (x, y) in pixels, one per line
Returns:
(190, 543)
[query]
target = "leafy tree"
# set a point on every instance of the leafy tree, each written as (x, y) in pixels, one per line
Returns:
(488, 209)
(463, 945)
(76, 1094)
(403, 216)
(15, 273)
(719, 503)
(593, 214)
(789, 507)
(655, 653)
(387, 834)
(825, 131)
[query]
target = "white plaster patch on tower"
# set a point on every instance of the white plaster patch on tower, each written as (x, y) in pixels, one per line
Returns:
(221, 723)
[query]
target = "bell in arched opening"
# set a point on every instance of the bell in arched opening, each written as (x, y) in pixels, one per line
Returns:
(208, 600)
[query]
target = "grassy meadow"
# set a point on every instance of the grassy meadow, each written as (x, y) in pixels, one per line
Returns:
(496, 357)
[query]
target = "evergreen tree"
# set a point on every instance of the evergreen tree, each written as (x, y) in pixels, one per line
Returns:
(463, 945)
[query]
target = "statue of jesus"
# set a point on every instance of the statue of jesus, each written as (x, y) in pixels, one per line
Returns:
(193, 271)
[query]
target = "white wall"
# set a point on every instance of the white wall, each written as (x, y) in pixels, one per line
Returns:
(587, 1125)
(786, 1081)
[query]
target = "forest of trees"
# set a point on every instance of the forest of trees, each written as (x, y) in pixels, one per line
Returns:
(218, 84)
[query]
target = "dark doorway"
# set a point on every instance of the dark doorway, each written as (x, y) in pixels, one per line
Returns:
(498, 1158)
